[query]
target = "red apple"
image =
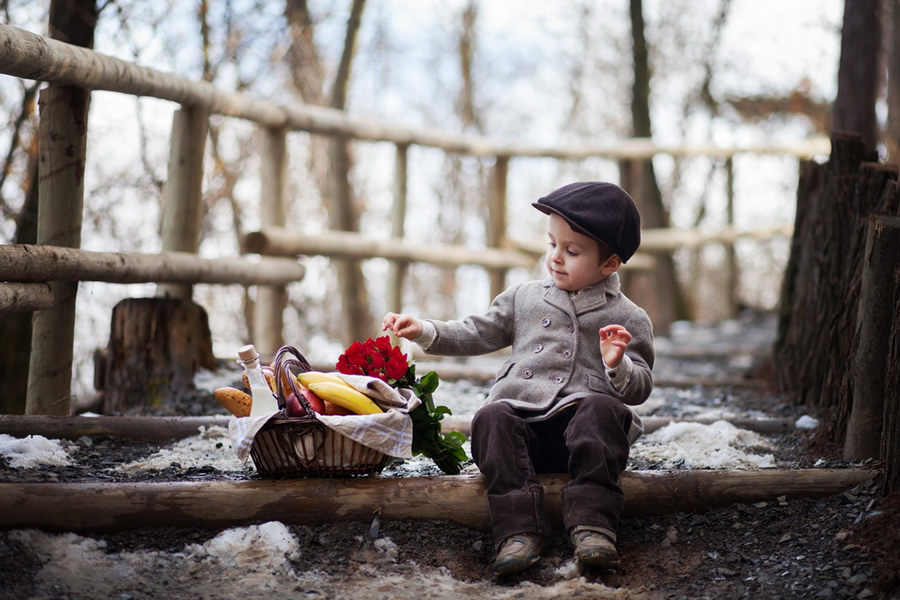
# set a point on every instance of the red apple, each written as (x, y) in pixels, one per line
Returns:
(293, 408)
(314, 401)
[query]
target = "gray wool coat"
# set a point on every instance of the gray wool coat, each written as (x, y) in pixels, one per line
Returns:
(555, 346)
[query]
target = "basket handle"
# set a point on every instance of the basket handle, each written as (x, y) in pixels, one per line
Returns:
(285, 358)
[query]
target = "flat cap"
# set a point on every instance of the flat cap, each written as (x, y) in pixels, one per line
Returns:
(600, 210)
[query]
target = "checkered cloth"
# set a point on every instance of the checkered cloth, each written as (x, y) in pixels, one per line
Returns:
(389, 432)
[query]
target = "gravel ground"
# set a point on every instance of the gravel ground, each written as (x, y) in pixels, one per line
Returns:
(845, 546)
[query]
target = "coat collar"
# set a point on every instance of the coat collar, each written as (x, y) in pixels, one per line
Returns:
(584, 300)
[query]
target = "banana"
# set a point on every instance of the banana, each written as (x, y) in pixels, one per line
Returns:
(318, 377)
(344, 395)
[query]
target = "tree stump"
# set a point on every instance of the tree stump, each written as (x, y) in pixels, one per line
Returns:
(156, 345)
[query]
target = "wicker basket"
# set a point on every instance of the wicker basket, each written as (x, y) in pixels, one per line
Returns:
(303, 446)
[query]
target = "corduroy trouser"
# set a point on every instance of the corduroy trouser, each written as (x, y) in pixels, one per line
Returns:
(588, 440)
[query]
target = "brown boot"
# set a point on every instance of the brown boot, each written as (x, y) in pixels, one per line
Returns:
(594, 549)
(517, 553)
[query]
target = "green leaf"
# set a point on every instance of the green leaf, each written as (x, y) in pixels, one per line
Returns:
(429, 382)
(439, 412)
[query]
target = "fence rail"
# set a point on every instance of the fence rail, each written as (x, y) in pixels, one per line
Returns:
(31, 56)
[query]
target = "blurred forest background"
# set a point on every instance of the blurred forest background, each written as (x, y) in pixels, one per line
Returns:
(725, 72)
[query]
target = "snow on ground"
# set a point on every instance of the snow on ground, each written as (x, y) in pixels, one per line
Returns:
(255, 561)
(33, 450)
(210, 448)
(719, 445)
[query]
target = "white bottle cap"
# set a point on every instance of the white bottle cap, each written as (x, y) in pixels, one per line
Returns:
(247, 352)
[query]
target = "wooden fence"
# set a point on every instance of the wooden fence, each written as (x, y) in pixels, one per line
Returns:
(30, 271)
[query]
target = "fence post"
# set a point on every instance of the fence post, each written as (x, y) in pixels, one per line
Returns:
(397, 271)
(183, 208)
(496, 229)
(63, 142)
(732, 275)
(268, 313)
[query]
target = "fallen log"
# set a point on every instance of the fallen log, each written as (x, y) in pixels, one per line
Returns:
(133, 428)
(163, 429)
(460, 499)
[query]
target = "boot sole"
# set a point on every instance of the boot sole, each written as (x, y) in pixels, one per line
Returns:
(598, 558)
(515, 565)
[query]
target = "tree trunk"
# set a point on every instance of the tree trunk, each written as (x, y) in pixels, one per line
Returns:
(15, 331)
(15, 349)
(892, 135)
(890, 440)
(859, 75)
(656, 291)
(460, 499)
(820, 304)
(156, 346)
(877, 305)
(334, 178)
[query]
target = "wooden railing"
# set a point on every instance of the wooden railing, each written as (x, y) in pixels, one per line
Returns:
(27, 269)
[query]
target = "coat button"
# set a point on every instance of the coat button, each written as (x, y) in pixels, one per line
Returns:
(567, 353)
(571, 328)
(557, 379)
(527, 373)
(538, 348)
(545, 322)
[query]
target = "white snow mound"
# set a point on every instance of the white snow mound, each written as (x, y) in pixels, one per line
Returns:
(32, 451)
(719, 445)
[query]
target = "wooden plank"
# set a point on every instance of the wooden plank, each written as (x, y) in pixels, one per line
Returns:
(183, 207)
(148, 429)
(460, 499)
(268, 310)
(397, 269)
(63, 149)
(495, 235)
(39, 263)
(343, 244)
(20, 297)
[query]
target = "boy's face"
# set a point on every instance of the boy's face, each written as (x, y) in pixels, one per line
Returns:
(573, 259)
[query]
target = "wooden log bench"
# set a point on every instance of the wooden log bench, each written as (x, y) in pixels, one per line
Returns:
(460, 499)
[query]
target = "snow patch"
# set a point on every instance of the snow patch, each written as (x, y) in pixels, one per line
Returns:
(210, 448)
(33, 451)
(256, 548)
(806, 422)
(720, 445)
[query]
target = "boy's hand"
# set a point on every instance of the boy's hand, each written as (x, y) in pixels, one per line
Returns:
(404, 326)
(613, 340)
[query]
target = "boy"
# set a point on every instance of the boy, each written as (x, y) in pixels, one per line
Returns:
(581, 352)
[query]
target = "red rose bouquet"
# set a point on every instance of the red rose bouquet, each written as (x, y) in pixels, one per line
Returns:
(379, 358)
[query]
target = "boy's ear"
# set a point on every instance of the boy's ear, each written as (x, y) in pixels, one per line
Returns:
(611, 265)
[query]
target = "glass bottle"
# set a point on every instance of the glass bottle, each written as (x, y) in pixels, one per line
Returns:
(264, 401)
